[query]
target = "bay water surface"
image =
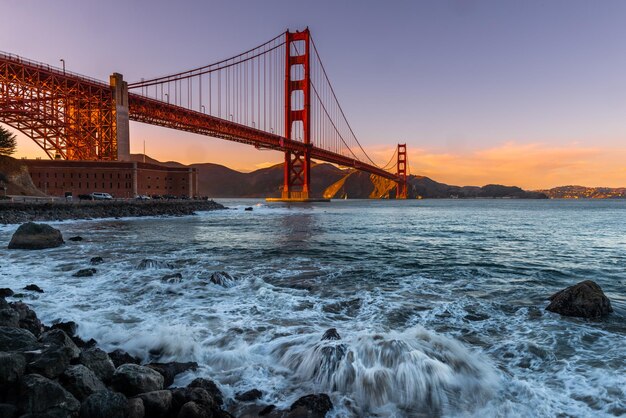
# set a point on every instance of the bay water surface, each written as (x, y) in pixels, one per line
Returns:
(439, 303)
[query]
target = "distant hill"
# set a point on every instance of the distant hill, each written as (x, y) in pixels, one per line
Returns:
(582, 192)
(328, 181)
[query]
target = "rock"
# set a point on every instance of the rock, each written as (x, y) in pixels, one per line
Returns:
(132, 379)
(222, 278)
(7, 410)
(28, 318)
(32, 236)
(119, 357)
(84, 344)
(76, 238)
(148, 263)
(172, 278)
(331, 334)
(267, 410)
(17, 339)
(59, 339)
(85, 272)
(99, 362)
(105, 404)
(248, 209)
(584, 299)
(69, 327)
(210, 387)
(157, 404)
(249, 396)
(41, 395)
(170, 370)
(12, 367)
(81, 381)
(33, 288)
(315, 405)
(199, 396)
(5, 292)
(193, 410)
(8, 316)
(135, 408)
(96, 260)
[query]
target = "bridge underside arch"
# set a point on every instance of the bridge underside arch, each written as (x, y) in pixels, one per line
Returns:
(68, 118)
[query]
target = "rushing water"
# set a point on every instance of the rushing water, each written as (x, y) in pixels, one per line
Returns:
(439, 304)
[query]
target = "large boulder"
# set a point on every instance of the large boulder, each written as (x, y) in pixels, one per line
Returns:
(170, 370)
(81, 381)
(8, 316)
(12, 366)
(584, 299)
(199, 396)
(132, 379)
(57, 355)
(104, 404)
(39, 395)
(28, 318)
(210, 387)
(17, 339)
(311, 406)
(119, 357)
(157, 404)
(135, 408)
(32, 236)
(99, 362)
(193, 410)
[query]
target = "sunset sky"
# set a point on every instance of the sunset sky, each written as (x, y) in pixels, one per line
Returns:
(527, 93)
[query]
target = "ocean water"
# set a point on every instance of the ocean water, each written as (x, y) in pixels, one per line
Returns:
(439, 303)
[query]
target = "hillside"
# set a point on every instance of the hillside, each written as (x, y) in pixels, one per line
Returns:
(582, 192)
(15, 177)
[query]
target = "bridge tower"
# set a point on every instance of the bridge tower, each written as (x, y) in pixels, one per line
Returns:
(401, 190)
(297, 178)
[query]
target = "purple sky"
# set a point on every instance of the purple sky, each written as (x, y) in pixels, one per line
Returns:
(524, 92)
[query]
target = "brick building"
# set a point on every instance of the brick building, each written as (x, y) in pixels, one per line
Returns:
(119, 178)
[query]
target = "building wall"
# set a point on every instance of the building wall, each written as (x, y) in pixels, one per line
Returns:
(120, 179)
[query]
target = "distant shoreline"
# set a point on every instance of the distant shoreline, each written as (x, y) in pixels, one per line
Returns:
(19, 212)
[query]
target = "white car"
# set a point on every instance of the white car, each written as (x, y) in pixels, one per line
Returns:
(101, 196)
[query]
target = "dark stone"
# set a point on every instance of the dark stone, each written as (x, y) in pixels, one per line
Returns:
(96, 260)
(69, 327)
(267, 410)
(81, 381)
(8, 316)
(584, 299)
(17, 339)
(248, 209)
(104, 404)
(119, 357)
(132, 379)
(316, 405)
(170, 370)
(8, 410)
(135, 408)
(32, 236)
(157, 404)
(210, 387)
(33, 288)
(249, 396)
(331, 334)
(84, 344)
(88, 272)
(5, 292)
(76, 238)
(41, 395)
(172, 278)
(199, 396)
(148, 263)
(345, 307)
(222, 278)
(193, 410)
(99, 362)
(59, 339)
(28, 318)
(12, 367)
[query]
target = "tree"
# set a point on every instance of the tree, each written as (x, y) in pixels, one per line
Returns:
(8, 142)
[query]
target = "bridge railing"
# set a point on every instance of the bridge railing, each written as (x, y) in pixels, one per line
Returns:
(50, 68)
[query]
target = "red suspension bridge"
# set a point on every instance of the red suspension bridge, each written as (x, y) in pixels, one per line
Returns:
(276, 96)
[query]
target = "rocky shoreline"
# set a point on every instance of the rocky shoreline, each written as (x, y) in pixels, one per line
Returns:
(49, 371)
(16, 212)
